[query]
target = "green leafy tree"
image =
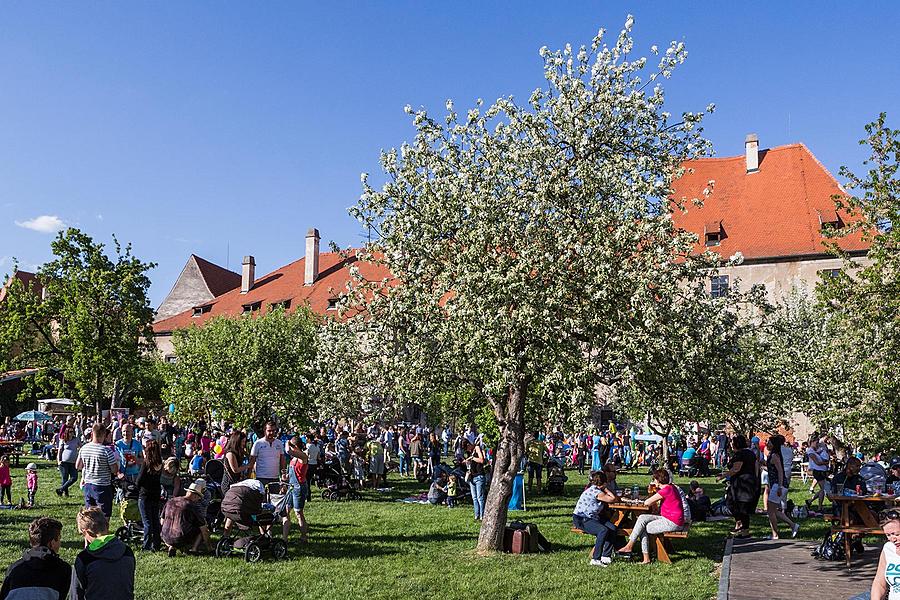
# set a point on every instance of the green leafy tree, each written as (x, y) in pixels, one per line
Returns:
(91, 322)
(864, 300)
(532, 245)
(246, 370)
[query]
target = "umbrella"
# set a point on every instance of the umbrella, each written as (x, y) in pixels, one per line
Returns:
(33, 415)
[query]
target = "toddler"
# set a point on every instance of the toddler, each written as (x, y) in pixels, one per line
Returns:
(451, 491)
(5, 480)
(359, 467)
(31, 482)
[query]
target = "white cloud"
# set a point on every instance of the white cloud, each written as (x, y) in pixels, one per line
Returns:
(43, 224)
(99, 217)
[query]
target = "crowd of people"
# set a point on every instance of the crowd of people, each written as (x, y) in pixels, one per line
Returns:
(165, 465)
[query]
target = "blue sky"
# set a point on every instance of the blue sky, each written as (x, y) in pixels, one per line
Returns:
(225, 129)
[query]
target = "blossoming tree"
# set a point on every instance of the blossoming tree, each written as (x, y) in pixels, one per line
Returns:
(532, 245)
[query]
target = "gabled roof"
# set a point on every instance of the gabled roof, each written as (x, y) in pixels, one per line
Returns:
(282, 284)
(772, 213)
(27, 279)
(218, 279)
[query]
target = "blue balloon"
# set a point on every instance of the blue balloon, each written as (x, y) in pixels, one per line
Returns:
(172, 408)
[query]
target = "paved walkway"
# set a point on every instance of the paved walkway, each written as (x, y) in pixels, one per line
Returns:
(784, 570)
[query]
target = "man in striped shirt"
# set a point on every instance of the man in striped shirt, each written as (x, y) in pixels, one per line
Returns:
(99, 465)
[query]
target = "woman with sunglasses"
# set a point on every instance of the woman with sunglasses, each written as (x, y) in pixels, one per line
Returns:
(886, 584)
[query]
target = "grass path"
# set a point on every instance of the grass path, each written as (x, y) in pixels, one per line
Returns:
(378, 548)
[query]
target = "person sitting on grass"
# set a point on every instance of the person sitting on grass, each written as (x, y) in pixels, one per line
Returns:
(670, 517)
(40, 573)
(104, 570)
(437, 493)
(590, 517)
(184, 522)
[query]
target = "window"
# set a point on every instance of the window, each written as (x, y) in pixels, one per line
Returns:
(332, 303)
(285, 304)
(713, 233)
(252, 307)
(830, 219)
(829, 273)
(171, 359)
(202, 310)
(719, 286)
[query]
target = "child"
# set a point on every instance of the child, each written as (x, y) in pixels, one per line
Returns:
(196, 465)
(31, 482)
(359, 467)
(451, 491)
(696, 490)
(169, 480)
(5, 480)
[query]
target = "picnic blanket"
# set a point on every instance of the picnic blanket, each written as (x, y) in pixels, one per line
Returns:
(417, 499)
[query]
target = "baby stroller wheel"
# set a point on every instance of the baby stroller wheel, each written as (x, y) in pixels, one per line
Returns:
(223, 548)
(124, 534)
(326, 494)
(279, 549)
(253, 552)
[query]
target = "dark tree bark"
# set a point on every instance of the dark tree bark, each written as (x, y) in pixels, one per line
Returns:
(510, 449)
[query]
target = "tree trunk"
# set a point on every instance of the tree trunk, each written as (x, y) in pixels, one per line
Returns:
(511, 420)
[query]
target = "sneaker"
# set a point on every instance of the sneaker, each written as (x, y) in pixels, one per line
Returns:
(600, 563)
(59, 492)
(172, 552)
(795, 529)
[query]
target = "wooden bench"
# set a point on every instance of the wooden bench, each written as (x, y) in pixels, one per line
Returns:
(659, 541)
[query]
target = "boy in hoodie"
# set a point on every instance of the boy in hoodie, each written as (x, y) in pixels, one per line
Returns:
(40, 573)
(104, 570)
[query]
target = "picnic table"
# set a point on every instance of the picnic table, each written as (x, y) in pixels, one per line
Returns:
(624, 514)
(13, 449)
(861, 506)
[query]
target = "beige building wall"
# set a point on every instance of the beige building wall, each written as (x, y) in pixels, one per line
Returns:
(779, 278)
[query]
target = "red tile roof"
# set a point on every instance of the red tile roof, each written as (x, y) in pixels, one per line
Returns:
(27, 279)
(282, 284)
(774, 212)
(218, 279)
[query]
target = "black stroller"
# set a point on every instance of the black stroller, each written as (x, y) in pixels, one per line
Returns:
(253, 546)
(556, 476)
(132, 529)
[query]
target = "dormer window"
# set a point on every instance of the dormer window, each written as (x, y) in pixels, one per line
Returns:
(333, 303)
(285, 304)
(829, 219)
(713, 233)
(202, 310)
(252, 307)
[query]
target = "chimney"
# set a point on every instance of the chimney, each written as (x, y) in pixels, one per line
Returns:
(751, 146)
(248, 272)
(312, 257)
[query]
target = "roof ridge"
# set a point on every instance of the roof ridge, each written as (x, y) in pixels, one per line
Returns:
(742, 156)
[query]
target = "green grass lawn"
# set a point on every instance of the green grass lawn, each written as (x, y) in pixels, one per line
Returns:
(379, 548)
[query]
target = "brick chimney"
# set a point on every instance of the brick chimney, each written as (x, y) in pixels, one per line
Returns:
(751, 147)
(312, 257)
(248, 273)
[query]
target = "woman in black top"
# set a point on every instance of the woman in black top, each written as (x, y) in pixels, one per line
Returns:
(778, 486)
(149, 494)
(743, 489)
(235, 453)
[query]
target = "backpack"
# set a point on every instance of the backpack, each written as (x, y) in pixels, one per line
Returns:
(831, 548)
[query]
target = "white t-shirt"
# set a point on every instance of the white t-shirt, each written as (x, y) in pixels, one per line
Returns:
(891, 570)
(312, 451)
(821, 454)
(268, 458)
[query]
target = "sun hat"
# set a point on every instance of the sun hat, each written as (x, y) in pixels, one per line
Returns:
(198, 487)
(31, 467)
